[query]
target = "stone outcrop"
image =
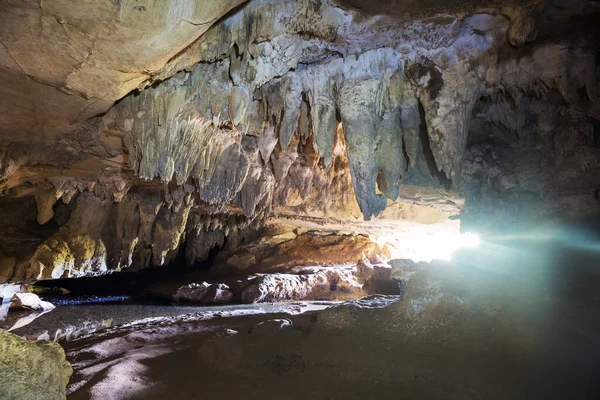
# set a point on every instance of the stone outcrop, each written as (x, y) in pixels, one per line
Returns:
(300, 283)
(24, 307)
(204, 293)
(32, 370)
(31, 301)
(324, 284)
(280, 253)
(6, 294)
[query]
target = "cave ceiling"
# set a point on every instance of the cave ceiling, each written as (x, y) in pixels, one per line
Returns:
(135, 131)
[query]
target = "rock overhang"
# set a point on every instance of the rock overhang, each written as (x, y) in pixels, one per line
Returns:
(309, 109)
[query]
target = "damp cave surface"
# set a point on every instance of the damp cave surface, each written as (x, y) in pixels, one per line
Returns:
(514, 318)
(528, 332)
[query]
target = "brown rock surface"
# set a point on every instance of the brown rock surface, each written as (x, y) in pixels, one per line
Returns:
(306, 249)
(64, 62)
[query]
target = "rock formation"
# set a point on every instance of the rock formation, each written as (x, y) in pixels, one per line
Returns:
(295, 150)
(32, 370)
(204, 293)
(135, 134)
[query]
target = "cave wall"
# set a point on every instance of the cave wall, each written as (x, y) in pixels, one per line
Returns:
(305, 109)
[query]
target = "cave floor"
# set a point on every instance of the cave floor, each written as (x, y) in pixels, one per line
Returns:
(67, 323)
(519, 321)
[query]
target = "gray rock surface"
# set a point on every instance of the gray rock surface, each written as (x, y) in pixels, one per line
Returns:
(204, 293)
(325, 283)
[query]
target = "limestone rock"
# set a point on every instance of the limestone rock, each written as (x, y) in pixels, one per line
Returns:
(204, 293)
(7, 291)
(278, 239)
(218, 293)
(324, 284)
(378, 279)
(44, 206)
(46, 380)
(193, 292)
(367, 302)
(242, 261)
(278, 255)
(403, 268)
(89, 55)
(31, 301)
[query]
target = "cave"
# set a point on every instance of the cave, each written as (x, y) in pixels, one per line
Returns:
(312, 199)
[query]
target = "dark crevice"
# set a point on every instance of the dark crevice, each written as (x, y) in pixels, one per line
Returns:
(406, 157)
(429, 158)
(596, 134)
(20, 233)
(382, 184)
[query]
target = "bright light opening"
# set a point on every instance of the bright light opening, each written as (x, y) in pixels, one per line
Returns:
(427, 243)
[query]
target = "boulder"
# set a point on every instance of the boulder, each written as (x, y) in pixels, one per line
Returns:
(218, 293)
(27, 301)
(32, 302)
(32, 370)
(6, 294)
(204, 293)
(324, 283)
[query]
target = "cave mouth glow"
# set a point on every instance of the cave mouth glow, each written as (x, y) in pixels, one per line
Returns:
(427, 243)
